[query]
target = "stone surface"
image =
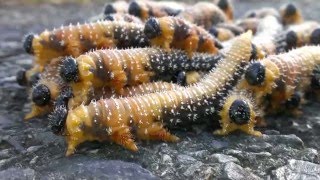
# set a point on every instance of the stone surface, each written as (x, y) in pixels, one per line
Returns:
(28, 150)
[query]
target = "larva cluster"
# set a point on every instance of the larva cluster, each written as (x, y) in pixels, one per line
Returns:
(162, 67)
(172, 32)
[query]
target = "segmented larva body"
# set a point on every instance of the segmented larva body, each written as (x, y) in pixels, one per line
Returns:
(290, 14)
(172, 32)
(222, 34)
(236, 30)
(75, 40)
(112, 119)
(120, 68)
(123, 17)
(204, 14)
(147, 9)
(265, 38)
(119, 7)
(226, 7)
(285, 73)
(262, 13)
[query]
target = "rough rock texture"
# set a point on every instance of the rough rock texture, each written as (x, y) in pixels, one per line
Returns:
(289, 148)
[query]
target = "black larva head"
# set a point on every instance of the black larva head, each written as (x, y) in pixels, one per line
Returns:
(213, 31)
(69, 70)
(255, 74)
(27, 43)
(109, 9)
(223, 4)
(182, 78)
(254, 53)
(152, 28)
(315, 37)
(294, 101)
(109, 18)
(134, 9)
(57, 119)
(21, 78)
(41, 95)
(239, 112)
(291, 40)
(290, 10)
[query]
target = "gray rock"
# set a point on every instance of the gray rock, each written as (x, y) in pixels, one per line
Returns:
(234, 171)
(18, 174)
(297, 169)
(221, 158)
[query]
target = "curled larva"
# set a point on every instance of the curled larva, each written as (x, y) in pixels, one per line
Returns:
(226, 7)
(262, 13)
(172, 32)
(74, 40)
(113, 119)
(283, 74)
(290, 14)
(119, 7)
(204, 14)
(116, 69)
(147, 9)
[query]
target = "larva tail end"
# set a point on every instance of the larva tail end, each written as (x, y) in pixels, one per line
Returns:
(27, 43)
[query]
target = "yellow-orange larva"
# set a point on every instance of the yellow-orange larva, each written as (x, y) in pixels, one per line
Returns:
(226, 7)
(290, 14)
(147, 9)
(204, 14)
(113, 119)
(116, 69)
(283, 74)
(172, 32)
(75, 40)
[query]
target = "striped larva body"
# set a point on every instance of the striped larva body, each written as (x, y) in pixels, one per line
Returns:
(119, 7)
(290, 14)
(282, 75)
(147, 9)
(74, 40)
(119, 68)
(113, 119)
(173, 32)
(204, 14)
(226, 7)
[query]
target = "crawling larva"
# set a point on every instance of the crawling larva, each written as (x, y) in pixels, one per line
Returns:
(204, 14)
(113, 119)
(147, 9)
(117, 69)
(226, 7)
(290, 14)
(289, 72)
(262, 13)
(119, 7)
(173, 32)
(74, 40)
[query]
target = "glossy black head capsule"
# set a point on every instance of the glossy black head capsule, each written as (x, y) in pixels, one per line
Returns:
(290, 10)
(134, 9)
(69, 70)
(152, 28)
(315, 37)
(223, 4)
(182, 78)
(41, 95)
(21, 78)
(294, 101)
(239, 112)
(291, 40)
(27, 43)
(109, 9)
(109, 18)
(255, 74)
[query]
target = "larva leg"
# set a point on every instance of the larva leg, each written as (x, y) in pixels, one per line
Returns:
(123, 137)
(156, 131)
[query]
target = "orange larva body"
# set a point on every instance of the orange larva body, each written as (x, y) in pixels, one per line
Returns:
(204, 14)
(282, 75)
(147, 9)
(290, 14)
(75, 40)
(113, 118)
(173, 32)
